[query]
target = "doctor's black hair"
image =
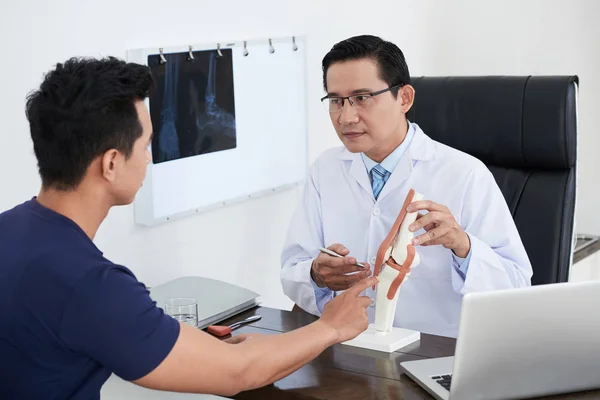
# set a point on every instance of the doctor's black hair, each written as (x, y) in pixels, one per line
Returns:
(83, 108)
(389, 58)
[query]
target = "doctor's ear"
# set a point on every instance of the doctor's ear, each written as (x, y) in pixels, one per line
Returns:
(406, 96)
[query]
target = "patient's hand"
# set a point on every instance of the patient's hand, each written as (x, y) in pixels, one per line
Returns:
(347, 313)
(331, 272)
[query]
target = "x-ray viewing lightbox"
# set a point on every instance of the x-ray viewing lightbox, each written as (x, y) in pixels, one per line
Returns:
(229, 124)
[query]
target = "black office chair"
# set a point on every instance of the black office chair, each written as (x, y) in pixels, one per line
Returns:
(524, 128)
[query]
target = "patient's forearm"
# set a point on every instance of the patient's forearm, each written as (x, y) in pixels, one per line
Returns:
(270, 358)
(200, 363)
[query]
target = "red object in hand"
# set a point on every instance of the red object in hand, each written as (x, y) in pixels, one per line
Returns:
(224, 330)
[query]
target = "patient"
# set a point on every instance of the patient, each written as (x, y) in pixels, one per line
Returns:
(68, 316)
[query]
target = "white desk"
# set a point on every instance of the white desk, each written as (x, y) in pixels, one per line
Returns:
(117, 389)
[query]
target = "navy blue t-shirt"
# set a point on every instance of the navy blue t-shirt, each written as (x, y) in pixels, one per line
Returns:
(68, 316)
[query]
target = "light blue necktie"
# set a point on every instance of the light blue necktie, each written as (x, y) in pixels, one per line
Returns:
(379, 176)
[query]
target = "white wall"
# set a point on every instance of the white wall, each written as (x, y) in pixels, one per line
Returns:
(586, 270)
(241, 243)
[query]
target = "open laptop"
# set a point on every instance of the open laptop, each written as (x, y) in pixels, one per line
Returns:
(520, 343)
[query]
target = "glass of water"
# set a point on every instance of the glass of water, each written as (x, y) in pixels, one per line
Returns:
(183, 309)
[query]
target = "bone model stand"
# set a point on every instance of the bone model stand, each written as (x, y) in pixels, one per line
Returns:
(395, 257)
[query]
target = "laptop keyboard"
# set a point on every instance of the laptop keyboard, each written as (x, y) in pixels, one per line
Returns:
(443, 380)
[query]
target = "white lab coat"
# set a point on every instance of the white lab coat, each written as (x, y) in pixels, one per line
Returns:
(338, 207)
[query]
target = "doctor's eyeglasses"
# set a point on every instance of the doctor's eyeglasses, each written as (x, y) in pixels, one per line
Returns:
(361, 101)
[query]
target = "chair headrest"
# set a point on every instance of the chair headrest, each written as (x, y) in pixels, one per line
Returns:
(507, 121)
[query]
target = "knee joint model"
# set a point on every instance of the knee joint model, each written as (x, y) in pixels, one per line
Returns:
(395, 258)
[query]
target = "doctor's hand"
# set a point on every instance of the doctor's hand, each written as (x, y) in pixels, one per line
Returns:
(332, 272)
(440, 226)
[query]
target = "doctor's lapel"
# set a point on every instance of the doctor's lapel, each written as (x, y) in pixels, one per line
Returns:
(400, 174)
(357, 169)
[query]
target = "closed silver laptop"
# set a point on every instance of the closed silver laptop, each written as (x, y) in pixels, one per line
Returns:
(520, 343)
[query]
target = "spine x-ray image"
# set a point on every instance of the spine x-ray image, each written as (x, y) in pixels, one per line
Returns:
(192, 107)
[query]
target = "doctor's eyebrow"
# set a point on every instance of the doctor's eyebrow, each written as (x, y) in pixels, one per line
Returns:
(363, 90)
(355, 91)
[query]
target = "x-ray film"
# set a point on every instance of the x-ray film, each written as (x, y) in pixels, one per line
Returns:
(192, 107)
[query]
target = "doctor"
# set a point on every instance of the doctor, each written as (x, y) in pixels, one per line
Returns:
(466, 238)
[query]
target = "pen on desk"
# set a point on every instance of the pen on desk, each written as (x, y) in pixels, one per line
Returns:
(334, 254)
